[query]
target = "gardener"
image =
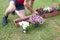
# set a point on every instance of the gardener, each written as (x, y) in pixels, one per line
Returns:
(19, 7)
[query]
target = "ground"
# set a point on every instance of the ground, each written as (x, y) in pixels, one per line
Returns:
(50, 30)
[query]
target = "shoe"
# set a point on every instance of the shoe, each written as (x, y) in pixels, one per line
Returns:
(4, 22)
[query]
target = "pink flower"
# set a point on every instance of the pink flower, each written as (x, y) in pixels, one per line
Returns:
(37, 18)
(53, 7)
(34, 19)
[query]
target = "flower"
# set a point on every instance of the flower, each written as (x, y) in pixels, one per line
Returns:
(51, 9)
(36, 18)
(41, 20)
(24, 24)
(54, 7)
(48, 9)
(40, 11)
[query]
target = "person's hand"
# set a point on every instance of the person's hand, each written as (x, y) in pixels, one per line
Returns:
(35, 12)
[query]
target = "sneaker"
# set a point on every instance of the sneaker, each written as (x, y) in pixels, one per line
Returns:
(4, 21)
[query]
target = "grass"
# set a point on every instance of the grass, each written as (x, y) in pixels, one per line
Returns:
(48, 31)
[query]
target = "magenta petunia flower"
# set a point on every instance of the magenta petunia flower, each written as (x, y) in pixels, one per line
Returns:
(54, 7)
(37, 18)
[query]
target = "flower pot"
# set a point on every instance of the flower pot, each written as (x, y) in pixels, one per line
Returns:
(50, 14)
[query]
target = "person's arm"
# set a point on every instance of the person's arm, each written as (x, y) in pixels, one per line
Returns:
(32, 3)
(26, 4)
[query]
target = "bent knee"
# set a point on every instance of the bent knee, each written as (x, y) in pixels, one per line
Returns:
(12, 3)
(11, 8)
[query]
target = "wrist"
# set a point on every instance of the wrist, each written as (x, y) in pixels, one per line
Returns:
(32, 11)
(33, 0)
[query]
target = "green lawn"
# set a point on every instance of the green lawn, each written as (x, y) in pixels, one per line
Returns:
(48, 31)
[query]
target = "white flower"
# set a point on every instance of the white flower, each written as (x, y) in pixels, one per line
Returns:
(24, 24)
(48, 8)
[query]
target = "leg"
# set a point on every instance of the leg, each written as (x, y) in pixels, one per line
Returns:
(21, 13)
(10, 9)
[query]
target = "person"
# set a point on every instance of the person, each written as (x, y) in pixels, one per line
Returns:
(19, 7)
